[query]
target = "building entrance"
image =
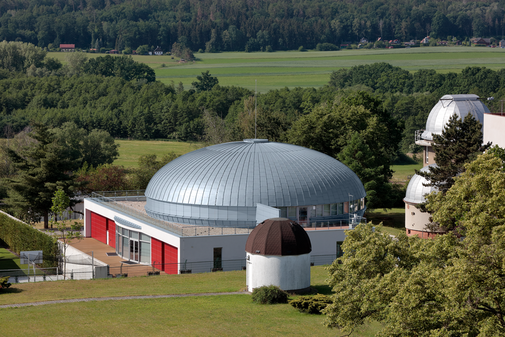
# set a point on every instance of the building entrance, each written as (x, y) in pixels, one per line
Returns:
(134, 250)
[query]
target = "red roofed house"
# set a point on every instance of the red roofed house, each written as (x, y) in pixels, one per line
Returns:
(67, 47)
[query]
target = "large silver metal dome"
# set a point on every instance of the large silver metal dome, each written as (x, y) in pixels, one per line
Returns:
(416, 191)
(448, 105)
(221, 185)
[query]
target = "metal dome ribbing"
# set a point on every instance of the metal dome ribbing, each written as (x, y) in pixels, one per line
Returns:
(416, 191)
(243, 174)
(448, 105)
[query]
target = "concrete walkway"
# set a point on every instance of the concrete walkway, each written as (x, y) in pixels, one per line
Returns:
(118, 298)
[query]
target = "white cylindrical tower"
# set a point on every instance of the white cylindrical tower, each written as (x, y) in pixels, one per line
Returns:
(278, 253)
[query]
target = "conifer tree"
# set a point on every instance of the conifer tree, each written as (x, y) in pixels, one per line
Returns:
(42, 168)
(459, 143)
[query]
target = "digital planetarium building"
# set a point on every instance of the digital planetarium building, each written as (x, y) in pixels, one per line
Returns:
(199, 209)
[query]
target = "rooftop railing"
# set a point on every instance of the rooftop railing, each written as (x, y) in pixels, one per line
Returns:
(114, 200)
(418, 135)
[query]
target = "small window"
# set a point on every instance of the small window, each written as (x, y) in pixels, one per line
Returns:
(408, 231)
(218, 257)
(292, 212)
(283, 212)
(339, 248)
(326, 210)
(334, 209)
(412, 213)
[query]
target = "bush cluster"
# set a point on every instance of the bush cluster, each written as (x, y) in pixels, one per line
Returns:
(22, 237)
(4, 282)
(311, 304)
(269, 295)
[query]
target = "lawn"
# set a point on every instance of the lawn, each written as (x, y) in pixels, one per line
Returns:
(393, 219)
(9, 260)
(312, 68)
(131, 150)
(227, 315)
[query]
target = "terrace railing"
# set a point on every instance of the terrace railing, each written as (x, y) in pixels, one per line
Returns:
(113, 200)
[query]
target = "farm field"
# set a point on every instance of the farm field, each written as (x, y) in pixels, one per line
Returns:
(226, 315)
(312, 68)
(131, 150)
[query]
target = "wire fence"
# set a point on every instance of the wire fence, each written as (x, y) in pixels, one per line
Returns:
(85, 269)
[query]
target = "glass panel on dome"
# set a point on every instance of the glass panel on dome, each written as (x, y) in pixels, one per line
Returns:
(341, 208)
(326, 210)
(292, 212)
(283, 212)
(334, 209)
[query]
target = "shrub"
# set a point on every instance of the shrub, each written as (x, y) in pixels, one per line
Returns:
(269, 295)
(302, 48)
(326, 47)
(311, 304)
(4, 282)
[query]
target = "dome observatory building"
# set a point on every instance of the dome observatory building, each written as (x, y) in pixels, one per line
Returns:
(198, 210)
(447, 106)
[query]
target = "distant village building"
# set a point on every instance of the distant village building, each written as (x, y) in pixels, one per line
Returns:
(426, 40)
(479, 41)
(409, 44)
(158, 51)
(502, 43)
(442, 43)
(67, 47)
(363, 40)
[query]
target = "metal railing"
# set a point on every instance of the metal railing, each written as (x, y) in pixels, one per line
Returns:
(137, 269)
(418, 135)
(113, 200)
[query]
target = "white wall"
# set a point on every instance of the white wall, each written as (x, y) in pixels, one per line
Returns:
(286, 272)
(494, 129)
(201, 249)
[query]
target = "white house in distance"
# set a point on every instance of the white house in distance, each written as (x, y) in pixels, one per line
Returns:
(447, 106)
(198, 210)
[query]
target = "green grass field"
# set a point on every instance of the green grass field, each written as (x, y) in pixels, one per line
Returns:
(312, 68)
(131, 150)
(227, 315)
(393, 219)
(9, 260)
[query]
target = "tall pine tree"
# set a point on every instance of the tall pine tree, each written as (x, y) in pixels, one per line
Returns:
(459, 143)
(42, 168)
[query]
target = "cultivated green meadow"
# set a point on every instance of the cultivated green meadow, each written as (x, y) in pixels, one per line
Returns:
(131, 150)
(311, 68)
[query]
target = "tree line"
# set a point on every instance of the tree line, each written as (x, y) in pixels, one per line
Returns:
(365, 116)
(242, 25)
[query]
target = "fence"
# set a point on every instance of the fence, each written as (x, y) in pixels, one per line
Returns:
(197, 267)
(79, 268)
(45, 274)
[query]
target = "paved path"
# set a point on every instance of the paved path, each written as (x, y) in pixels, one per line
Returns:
(118, 298)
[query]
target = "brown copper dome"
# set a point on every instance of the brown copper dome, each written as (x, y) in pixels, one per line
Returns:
(278, 236)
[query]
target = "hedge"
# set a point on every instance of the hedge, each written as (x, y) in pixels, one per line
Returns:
(22, 237)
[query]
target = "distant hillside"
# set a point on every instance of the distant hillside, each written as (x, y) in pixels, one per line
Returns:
(243, 25)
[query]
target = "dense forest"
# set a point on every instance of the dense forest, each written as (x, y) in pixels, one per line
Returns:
(218, 25)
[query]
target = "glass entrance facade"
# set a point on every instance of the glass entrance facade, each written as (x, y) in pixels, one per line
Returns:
(132, 245)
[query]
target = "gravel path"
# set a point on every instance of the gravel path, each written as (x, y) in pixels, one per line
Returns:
(118, 298)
